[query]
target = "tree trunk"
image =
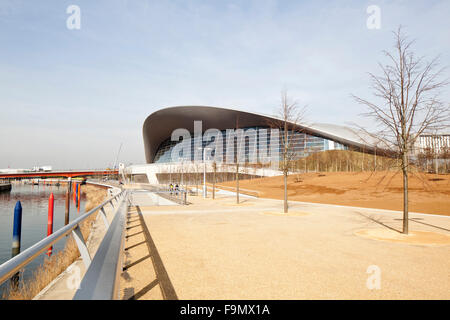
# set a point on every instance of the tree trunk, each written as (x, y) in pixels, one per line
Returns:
(362, 162)
(405, 193)
(214, 182)
(237, 183)
(436, 165)
(285, 193)
(375, 166)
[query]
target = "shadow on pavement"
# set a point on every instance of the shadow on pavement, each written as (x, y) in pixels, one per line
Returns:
(162, 278)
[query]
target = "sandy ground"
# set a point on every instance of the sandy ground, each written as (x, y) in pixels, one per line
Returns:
(428, 193)
(144, 276)
(212, 249)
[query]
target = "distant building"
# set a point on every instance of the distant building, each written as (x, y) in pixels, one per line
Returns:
(43, 168)
(433, 143)
(12, 171)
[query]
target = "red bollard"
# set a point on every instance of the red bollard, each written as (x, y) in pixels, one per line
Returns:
(51, 204)
(79, 196)
(74, 193)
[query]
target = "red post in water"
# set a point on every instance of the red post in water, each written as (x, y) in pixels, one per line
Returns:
(79, 196)
(51, 205)
(74, 193)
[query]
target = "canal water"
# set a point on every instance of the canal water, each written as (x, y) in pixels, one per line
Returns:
(34, 200)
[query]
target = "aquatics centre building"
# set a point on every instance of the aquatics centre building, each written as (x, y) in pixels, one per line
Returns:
(196, 122)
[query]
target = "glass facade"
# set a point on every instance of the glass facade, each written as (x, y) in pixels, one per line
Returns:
(303, 145)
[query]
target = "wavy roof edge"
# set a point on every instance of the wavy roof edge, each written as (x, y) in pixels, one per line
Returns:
(157, 128)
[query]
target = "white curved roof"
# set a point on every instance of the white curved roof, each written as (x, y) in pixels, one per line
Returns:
(344, 132)
(160, 124)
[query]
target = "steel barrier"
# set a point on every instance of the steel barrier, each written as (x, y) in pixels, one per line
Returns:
(14, 265)
(101, 281)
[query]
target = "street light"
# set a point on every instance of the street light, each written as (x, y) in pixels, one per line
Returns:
(182, 173)
(204, 169)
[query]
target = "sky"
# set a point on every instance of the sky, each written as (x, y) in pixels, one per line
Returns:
(71, 97)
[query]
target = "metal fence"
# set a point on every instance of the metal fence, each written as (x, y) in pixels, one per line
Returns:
(14, 265)
(101, 281)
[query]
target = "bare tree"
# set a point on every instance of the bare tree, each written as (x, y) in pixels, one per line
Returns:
(288, 117)
(445, 154)
(408, 104)
(236, 160)
(214, 165)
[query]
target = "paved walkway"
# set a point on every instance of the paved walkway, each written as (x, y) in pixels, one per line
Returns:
(216, 249)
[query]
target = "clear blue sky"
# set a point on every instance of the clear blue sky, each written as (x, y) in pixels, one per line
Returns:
(68, 98)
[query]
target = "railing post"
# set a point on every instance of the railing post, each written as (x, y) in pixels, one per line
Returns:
(82, 248)
(103, 214)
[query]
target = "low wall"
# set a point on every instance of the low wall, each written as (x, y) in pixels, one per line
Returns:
(163, 173)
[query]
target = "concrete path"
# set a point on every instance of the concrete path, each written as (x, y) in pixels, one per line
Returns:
(216, 249)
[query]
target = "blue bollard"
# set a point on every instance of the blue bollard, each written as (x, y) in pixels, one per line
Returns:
(76, 195)
(17, 232)
(17, 229)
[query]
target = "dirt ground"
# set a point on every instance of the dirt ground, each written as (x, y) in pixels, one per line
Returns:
(428, 193)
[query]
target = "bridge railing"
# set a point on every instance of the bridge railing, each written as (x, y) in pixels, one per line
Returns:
(17, 263)
(101, 281)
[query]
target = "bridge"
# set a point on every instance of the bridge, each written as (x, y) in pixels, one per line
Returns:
(67, 174)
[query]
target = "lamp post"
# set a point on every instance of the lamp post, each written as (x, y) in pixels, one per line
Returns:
(182, 173)
(183, 180)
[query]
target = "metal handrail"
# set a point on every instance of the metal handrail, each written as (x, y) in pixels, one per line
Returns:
(101, 280)
(13, 265)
